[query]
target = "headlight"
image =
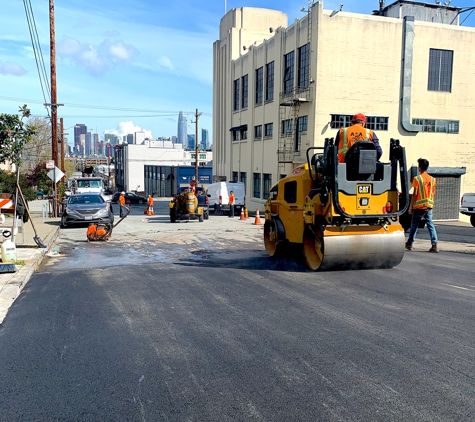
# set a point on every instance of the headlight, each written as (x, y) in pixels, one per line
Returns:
(102, 212)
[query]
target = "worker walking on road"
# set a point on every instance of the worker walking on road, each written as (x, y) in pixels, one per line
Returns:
(422, 202)
(348, 136)
(150, 205)
(232, 200)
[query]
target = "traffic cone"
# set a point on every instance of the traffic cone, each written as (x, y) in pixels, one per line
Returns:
(258, 218)
(242, 214)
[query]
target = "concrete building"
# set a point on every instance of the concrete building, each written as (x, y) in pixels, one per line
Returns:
(182, 129)
(131, 159)
(280, 89)
(204, 141)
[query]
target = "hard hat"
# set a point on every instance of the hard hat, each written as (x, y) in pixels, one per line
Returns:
(359, 118)
(122, 193)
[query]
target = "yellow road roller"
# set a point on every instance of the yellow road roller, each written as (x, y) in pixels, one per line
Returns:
(342, 215)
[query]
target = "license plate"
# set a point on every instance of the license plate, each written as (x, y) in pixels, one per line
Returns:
(364, 189)
(88, 217)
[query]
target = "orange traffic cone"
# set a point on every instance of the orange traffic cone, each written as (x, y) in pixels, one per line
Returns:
(258, 218)
(242, 214)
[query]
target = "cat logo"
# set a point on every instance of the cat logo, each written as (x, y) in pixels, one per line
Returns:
(364, 189)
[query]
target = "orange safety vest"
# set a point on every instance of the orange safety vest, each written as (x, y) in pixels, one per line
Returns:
(150, 202)
(425, 186)
(350, 136)
(231, 199)
(121, 200)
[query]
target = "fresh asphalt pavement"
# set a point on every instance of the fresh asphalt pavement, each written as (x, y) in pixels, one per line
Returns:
(193, 322)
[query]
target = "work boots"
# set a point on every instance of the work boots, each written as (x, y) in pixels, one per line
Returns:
(434, 248)
(408, 247)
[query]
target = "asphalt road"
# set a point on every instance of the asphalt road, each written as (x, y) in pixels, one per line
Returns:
(193, 322)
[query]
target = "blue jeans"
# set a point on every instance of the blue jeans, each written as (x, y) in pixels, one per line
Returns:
(417, 216)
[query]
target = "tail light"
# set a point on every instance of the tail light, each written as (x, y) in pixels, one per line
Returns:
(220, 200)
(206, 200)
(388, 208)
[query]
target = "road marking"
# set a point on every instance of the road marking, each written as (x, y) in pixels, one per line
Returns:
(458, 287)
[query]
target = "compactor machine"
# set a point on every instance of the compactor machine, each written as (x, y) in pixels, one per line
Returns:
(343, 215)
(184, 206)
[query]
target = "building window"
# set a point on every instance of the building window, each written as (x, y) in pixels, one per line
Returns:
(244, 91)
(302, 123)
(269, 130)
(258, 132)
(267, 185)
(304, 66)
(440, 70)
(236, 95)
(338, 121)
(243, 178)
(259, 85)
(235, 135)
(256, 192)
(235, 176)
(287, 127)
(437, 125)
(289, 72)
(270, 81)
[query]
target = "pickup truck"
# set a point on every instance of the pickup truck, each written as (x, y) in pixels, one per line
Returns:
(467, 206)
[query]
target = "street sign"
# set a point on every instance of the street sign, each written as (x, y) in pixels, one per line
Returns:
(56, 174)
(50, 165)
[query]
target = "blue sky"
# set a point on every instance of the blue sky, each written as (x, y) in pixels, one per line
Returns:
(128, 64)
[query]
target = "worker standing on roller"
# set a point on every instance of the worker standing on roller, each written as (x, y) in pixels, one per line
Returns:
(348, 136)
(422, 202)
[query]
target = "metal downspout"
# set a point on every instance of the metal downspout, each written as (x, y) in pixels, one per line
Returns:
(408, 51)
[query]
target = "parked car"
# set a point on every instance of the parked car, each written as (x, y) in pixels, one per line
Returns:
(467, 206)
(86, 208)
(40, 195)
(130, 198)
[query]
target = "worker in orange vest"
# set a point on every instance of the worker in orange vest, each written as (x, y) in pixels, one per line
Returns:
(348, 136)
(422, 202)
(232, 200)
(122, 204)
(150, 204)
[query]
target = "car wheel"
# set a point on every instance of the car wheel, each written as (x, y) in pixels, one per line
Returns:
(201, 218)
(39, 197)
(141, 201)
(472, 220)
(206, 215)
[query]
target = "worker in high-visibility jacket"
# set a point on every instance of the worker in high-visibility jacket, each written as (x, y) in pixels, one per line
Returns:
(150, 205)
(422, 203)
(348, 136)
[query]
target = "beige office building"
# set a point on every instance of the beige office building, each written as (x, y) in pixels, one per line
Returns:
(280, 89)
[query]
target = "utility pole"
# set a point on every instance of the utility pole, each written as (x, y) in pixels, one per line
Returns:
(61, 129)
(54, 105)
(196, 145)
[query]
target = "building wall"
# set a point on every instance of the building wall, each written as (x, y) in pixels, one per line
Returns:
(356, 67)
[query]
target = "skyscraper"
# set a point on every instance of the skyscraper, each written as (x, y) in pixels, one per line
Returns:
(182, 129)
(204, 143)
(79, 129)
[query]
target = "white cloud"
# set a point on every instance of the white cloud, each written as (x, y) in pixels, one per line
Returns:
(126, 128)
(11, 68)
(96, 60)
(165, 62)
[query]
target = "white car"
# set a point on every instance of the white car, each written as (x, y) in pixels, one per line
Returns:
(467, 206)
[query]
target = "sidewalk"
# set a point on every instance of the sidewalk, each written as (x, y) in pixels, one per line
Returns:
(11, 284)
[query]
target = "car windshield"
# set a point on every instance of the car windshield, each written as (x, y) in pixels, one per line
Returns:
(89, 183)
(86, 199)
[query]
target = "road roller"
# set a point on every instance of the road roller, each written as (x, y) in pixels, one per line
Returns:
(342, 215)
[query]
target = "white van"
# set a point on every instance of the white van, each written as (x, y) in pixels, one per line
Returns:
(218, 197)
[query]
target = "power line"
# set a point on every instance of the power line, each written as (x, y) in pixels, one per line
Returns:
(107, 108)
